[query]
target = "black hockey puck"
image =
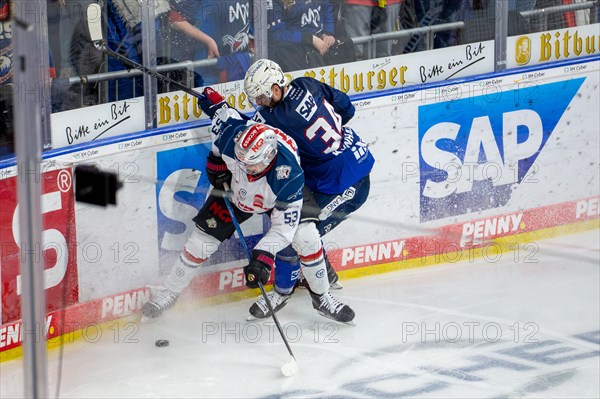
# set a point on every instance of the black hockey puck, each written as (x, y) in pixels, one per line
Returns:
(161, 343)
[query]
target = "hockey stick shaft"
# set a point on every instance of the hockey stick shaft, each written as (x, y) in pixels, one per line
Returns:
(94, 18)
(247, 252)
(102, 47)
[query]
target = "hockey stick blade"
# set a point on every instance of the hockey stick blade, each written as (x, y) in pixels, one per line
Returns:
(290, 368)
(252, 318)
(94, 14)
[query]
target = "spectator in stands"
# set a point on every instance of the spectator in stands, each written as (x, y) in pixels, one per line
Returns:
(6, 86)
(579, 17)
(480, 18)
(121, 38)
(558, 20)
(484, 11)
(124, 36)
(73, 14)
(521, 5)
(366, 17)
(6, 72)
(302, 35)
(208, 29)
(54, 13)
(567, 19)
(435, 12)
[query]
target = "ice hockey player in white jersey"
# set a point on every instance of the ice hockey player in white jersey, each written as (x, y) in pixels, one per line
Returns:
(335, 161)
(262, 166)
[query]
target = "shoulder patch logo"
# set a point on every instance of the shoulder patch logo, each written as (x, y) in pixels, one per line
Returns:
(283, 172)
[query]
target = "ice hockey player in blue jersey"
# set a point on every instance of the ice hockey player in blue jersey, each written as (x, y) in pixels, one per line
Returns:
(261, 165)
(335, 161)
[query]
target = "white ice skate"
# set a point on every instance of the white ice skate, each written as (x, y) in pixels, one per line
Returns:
(161, 301)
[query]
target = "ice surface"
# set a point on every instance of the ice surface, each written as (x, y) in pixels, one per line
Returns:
(524, 325)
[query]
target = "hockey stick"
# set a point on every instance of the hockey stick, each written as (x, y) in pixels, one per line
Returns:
(95, 28)
(291, 367)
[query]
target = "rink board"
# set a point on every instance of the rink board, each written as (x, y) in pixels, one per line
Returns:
(458, 166)
(418, 69)
(174, 108)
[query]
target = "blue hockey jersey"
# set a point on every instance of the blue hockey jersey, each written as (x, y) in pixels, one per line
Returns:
(278, 190)
(226, 21)
(313, 114)
(300, 21)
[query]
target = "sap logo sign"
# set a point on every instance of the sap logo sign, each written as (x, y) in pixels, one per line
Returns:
(180, 193)
(501, 159)
(473, 152)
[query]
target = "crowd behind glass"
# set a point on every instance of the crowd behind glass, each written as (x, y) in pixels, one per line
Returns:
(301, 34)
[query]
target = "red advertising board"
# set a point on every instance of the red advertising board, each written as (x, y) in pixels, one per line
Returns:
(57, 252)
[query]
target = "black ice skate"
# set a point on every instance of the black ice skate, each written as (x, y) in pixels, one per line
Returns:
(163, 300)
(260, 310)
(329, 307)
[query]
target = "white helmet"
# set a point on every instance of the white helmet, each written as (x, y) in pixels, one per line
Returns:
(255, 148)
(260, 77)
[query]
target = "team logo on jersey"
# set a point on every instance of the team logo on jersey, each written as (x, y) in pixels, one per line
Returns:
(6, 69)
(211, 223)
(283, 172)
(311, 17)
(473, 152)
(239, 42)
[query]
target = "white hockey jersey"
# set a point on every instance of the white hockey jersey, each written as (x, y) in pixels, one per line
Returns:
(277, 191)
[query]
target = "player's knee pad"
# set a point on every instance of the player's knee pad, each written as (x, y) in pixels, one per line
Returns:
(199, 247)
(181, 274)
(287, 268)
(307, 242)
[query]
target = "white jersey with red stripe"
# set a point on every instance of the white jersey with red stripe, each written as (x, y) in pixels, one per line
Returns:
(277, 190)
